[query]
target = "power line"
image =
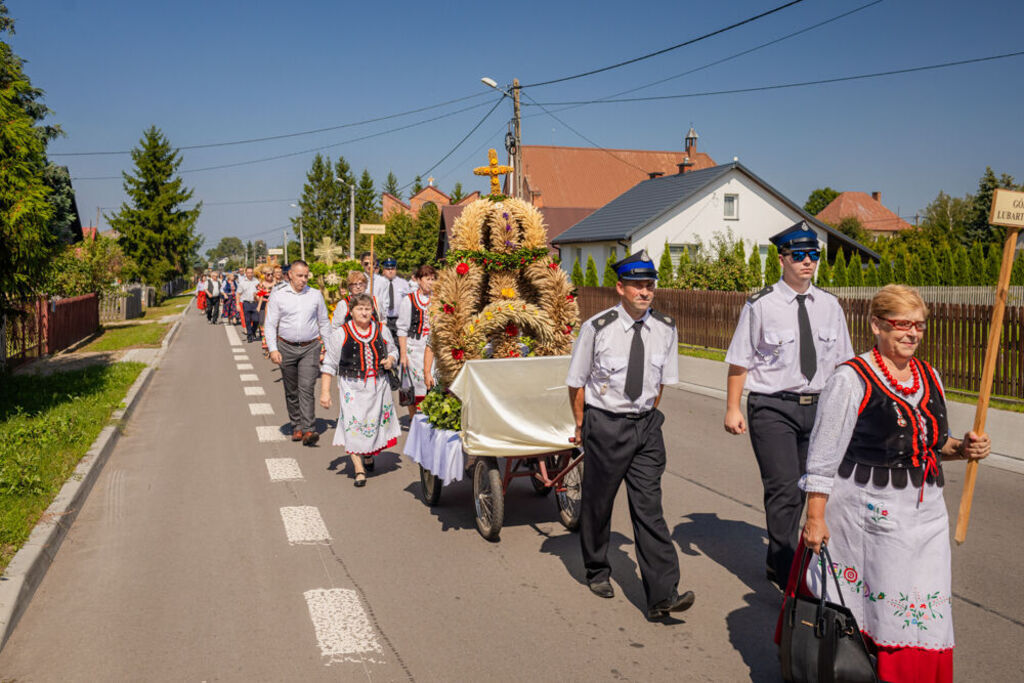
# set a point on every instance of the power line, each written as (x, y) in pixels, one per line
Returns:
(284, 135)
(249, 201)
(664, 50)
(781, 86)
(312, 149)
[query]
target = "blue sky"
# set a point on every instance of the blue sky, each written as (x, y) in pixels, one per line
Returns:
(222, 70)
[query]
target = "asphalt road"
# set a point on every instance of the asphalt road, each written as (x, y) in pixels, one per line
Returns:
(181, 566)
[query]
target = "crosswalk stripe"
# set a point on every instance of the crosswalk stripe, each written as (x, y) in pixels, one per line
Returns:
(343, 630)
(303, 524)
(284, 469)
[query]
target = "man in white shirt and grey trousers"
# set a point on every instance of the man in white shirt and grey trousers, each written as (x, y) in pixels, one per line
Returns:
(296, 319)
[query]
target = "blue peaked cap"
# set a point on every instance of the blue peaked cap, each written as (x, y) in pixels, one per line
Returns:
(389, 263)
(636, 267)
(796, 237)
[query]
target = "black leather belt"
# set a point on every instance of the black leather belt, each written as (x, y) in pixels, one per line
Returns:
(628, 416)
(291, 343)
(802, 399)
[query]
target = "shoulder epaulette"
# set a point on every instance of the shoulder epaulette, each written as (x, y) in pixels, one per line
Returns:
(758, 295)
(601, 321)
(663, 317)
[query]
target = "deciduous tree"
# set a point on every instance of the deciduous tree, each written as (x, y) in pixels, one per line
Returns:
(819, 199)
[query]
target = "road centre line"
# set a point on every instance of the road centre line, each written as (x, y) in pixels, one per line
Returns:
(233, 337)
(267, 433)
(284, 469)
(261, 409)
(254, 391)
(249, 378)
(304, 525)
(243, 366)
(343, 630)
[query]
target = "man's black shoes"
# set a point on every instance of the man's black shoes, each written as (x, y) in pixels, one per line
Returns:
(602, 589)
(677, 603)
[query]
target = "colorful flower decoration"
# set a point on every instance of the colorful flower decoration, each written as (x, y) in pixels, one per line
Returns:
(449, 309)
(462, 268)
(458, 354)
(508, 293)
(511, 330)
(570, 297)
(568, 329)
(553, 266)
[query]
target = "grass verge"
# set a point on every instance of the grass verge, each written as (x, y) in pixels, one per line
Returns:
(170, 306)
(126, 337)
(701, 352)
(47, 423)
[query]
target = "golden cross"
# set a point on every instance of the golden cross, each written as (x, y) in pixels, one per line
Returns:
(493, 170)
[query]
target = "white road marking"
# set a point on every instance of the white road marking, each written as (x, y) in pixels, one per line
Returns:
(261, 409)
(254, 391)
(269, 433)
(304, 524)
(249, 378)
(343, 630)
(284, 469)
(243, 366)
(233, 337)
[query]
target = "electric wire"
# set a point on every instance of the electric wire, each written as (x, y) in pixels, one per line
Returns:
(656, 53)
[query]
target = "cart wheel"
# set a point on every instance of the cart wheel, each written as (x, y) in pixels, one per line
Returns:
(488, 498)
(552, 463)
(430, 486)
(569, 499)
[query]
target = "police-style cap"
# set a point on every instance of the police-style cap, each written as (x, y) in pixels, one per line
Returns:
(636, 267)
(797, 236)
(389, 263)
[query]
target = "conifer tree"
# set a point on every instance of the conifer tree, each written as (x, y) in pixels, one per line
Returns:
(854, 272)
(665, 274)
(839, 278)
(929, 266)
(993, 264)
(824, 276)
(915, 270)
(871, 275)
(683, 273)
(947, 269)
(977, 261)
(1017, 274)
(391, 186)
(610, 276)
(577, 274)
(367, 206)
(754, 268)
(772, 267)
(157, 232)
(962, 273)
(885, 272)
(590, 279)
(977, 228)
(900, 273)
(457, 194)
(323, 206)
(417, 186)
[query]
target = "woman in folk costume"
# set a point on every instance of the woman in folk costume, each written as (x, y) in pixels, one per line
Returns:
(358, 283)
(874, 493)
(228, 295)
(201, 293)
(359, 352)
(414, 331)
(263, 290)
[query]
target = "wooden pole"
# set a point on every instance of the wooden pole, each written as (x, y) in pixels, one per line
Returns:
(373, 266)
(987, 374)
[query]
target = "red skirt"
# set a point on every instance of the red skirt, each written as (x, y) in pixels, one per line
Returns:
(201, 301)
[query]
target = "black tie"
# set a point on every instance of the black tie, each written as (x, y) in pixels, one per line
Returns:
(391, 296)
(808, 356)
(635, 369)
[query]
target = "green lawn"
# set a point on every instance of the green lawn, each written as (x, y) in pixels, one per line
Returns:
(170, 306)
(130, 336)
(47, 424)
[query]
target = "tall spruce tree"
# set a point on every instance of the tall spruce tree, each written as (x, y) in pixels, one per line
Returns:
(993, 264)
(590, 279)
(871, 275)
(457, 194)
(157, 231)
(391, 186)
(610, 276)
(977, 228)
(839, 278)
(367, 206)
(772, 267)
(855, 272)
(885, 272)
(754, 268)
(945, 262)
(977, 260)
(929, 266)
(900, 273)
(962, 272)
(665, 269)
(577, 274)
(417, 186)
(322, 206)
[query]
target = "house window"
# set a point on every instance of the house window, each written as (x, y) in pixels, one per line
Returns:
(732, 207)
(675, 251)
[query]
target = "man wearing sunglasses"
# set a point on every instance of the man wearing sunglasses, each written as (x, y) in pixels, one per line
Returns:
(789, 338)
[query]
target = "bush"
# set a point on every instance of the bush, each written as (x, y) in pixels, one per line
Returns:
(577, 274)
(610, 276)
(590, 279)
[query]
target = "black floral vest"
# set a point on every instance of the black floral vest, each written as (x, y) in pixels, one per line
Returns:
(360, 356)
(419, 321)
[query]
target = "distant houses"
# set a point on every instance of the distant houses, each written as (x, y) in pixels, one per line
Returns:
(868, 210)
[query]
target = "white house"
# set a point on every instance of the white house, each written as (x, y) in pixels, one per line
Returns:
(687, 209)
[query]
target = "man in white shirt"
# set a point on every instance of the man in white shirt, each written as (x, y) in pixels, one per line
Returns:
(213, 298)
(296, 319)
(250, 308)
(390, 290)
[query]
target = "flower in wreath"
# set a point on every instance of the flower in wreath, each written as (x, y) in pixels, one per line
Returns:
(512, 330)
(448, 308)
(462, 268)
(570, 297)
(568, 329)
(508, 293)
(553, 266)
(458, 354)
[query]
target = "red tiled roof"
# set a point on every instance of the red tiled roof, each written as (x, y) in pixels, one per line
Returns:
(590, 177)
(869, 211)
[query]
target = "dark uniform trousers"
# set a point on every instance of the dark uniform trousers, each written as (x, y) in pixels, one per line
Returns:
(300, 367)
(619, 447)
(780, 431)
(250, 309)
(213, 308)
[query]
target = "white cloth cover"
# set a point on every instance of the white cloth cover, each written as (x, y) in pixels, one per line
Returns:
(367, 423)
(515, 406)
(891, 554)
(439, 451)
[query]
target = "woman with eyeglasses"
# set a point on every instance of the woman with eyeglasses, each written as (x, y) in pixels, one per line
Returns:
(357, 283)
(874, 485)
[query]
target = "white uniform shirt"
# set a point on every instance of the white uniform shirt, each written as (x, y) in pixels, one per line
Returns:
(600, 359)
(296, 316)
(247, 289)
(767, 340)
(381, 289)
(405, 314)
(333, 344)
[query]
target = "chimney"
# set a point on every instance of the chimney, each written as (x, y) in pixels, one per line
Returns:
(690, 142)
(877, 196)
(655, 174)
(686, 163)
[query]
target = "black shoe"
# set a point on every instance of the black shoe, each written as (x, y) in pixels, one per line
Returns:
(368, 463)
(677, 603)
(602, 589)
(360, 480)
(310, 438)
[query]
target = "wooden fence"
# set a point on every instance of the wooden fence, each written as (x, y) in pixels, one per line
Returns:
(126, 305)
(954, 343)
(48, 326)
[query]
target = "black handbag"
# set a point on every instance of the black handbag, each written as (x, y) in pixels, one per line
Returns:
(407, 391)
(820, 640)
(394, 381)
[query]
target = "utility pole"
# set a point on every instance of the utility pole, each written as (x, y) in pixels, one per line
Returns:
(352, 221)
(517, 131)
(302, 241)
(284, 238)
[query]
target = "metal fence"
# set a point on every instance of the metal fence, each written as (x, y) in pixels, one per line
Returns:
(955, 342)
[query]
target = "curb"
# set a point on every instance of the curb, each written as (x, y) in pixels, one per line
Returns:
(26, 571)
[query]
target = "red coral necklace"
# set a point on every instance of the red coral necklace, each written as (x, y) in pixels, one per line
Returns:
(906, 391)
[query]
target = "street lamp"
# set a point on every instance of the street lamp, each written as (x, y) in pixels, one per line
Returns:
(302, 238)
(517, 144)
(351, 217)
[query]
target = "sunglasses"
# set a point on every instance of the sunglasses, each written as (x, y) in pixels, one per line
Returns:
(907, 325)
(799, 256)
